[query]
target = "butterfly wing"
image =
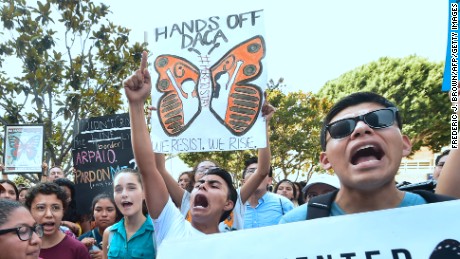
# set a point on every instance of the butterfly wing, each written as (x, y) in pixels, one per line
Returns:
(180, 104)
(231, 77)
(14, 143)
(31, 147)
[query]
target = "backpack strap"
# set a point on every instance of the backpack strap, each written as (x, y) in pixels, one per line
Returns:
(431, 197)
(320, 206)
(282, 208)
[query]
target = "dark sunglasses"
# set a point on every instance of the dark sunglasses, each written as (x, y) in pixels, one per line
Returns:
(378, 119)
(24, 232)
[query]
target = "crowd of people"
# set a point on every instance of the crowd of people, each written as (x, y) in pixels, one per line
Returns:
(361, 142)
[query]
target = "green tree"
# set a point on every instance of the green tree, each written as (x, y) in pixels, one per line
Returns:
(294, 137)
(65, 63)
(20, 180)
(414, 85)
(295, 131)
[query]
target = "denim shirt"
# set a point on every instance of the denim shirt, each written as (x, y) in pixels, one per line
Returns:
(140, 245)
(268, 212)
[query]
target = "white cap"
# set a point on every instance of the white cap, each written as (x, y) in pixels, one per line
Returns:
(325, 178)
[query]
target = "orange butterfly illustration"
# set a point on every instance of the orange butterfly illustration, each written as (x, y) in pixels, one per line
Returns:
(235, 102)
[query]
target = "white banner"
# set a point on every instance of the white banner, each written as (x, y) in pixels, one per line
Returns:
(418, 232)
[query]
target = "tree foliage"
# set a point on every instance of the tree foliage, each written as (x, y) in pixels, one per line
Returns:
(295, 132)
(61, 61)
(294, 136)
(414, 85)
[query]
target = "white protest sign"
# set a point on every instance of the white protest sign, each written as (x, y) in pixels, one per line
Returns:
(209, 76)
(418, 232)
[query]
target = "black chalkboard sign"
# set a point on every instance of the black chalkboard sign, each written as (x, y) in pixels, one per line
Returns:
(101, 147)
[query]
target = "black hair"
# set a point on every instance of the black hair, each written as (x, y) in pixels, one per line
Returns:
(352, 100)
(300, 199)
(109, 197)
(46, 188)
(71, 214)
(288, 181)
(207, 159)
(12, 184)
(250, 161)
(254, 160)
(444, 153)
(67, 183)
(196, 167)
(24, 189)
(8, 206)
(232, 194)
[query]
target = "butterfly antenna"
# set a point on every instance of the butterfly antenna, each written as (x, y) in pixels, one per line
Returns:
(194, 50)
(213, 47)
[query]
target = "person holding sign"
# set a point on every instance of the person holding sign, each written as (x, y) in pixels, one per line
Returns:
(55, 173)
(362, 142)
(236, 219)
(213, 197)
(263, 208)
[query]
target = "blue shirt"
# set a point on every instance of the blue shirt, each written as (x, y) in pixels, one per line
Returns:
(300, 213)
(268, 212)
(94, 233)
(140, 245)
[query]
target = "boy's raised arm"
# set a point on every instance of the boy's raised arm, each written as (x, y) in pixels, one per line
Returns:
(174, 189)
(449, 179)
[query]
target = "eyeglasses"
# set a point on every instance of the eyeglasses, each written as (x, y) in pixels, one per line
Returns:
(25, 232)
(251, 170)
(204, 169)
(378, 119)
(42, 208)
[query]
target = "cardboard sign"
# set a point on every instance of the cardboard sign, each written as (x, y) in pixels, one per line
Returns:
(425, 231)
(23, 149)
(101, 147)
(209, 77)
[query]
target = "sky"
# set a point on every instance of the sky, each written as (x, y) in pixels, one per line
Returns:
(309, 42)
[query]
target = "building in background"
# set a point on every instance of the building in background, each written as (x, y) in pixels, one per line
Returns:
(418, 168)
